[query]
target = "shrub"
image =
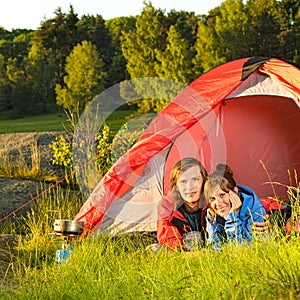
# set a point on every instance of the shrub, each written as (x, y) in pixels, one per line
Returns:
(63, 154)
(123, 140)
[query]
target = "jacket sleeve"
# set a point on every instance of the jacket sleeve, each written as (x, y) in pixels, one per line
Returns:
(215, 233)
(238, 225)
(167, 233)
(235, 230)
(239, 230)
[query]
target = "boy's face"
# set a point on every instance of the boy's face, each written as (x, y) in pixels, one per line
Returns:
(189, 184)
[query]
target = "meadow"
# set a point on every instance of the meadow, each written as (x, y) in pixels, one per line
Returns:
(124, 267)
(103, 269)
(55, 122)
(40, 123)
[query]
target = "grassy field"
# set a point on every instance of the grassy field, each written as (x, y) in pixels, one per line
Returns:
(123, 267)
(41, 123)
(106, 268)
(56, 123)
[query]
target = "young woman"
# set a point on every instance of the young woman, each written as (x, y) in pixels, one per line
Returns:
(232, 209)
(182, 218)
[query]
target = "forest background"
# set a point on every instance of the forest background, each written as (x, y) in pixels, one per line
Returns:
(68, 61)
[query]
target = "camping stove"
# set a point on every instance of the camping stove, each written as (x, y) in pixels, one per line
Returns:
(67, 230)
(65, 251)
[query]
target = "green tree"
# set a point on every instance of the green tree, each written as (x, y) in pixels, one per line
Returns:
(139, 46)
(58, 36)
(93, 29)
(289, 37)
(176, 60)
(17, 47)
(176, 63)
(117, 27)
(231, 27)
(206, 56)
(85, 78)
(21, 91)
(296, 28)
(5, 87)
(185, 23)
(14, 43)
(139, 49)
(41, 78)
(264, 27)
(4, 34)
(31, 83)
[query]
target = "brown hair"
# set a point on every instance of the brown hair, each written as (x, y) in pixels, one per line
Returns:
(222, 177)
(180, 167)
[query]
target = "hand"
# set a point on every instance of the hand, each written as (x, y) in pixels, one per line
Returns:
(289, 225)
(235, 200)
(262, 227)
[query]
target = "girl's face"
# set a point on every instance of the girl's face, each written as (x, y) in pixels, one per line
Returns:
(220, 201)
(189, 184)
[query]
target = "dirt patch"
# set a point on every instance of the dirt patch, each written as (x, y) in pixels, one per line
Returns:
(33, 148)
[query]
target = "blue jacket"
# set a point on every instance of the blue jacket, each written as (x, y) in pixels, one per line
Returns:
(237, 226)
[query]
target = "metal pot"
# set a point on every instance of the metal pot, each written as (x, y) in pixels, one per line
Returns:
(68, 226)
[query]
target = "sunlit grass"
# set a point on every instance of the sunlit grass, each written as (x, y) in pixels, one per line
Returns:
(41, 123)
(105, 267)
(57, 123)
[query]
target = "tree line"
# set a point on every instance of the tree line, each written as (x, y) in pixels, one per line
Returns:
(69, 60)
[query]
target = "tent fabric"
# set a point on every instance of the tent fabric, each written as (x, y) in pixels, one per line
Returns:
(251, 65)
(244, 113)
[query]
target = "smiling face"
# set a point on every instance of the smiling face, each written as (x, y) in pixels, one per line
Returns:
(189, 185)
(219, 201)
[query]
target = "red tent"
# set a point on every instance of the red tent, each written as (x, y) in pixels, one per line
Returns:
(244, 113)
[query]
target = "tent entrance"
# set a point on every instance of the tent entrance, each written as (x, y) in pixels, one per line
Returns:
(262, 141)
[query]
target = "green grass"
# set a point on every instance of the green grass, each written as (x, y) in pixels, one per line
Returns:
(41, 123)
(103, 268)
(57, 123)
(119, 118)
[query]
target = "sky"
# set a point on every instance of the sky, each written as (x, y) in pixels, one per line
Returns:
(19, 14)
